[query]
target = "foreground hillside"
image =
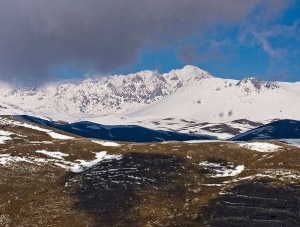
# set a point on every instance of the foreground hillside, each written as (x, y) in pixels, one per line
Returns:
(49, 177)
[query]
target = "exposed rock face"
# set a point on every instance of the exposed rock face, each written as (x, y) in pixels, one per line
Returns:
(257, 84)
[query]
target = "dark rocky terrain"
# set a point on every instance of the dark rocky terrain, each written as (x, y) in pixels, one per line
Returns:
(52, 178)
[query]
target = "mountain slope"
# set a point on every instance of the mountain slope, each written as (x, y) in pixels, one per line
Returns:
(281, 129)
(129, 133)
(221, 100)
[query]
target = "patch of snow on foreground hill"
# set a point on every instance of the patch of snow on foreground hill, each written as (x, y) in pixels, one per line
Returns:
(57, 159)
(260, 146)
(100, 156)
(54, 135)
(58, 136)
(106, 143)
(221, 170)
(4, 135)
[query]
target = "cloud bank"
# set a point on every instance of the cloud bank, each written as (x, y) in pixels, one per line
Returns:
(37, 37)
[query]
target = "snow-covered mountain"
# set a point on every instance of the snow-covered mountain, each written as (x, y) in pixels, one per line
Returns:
(111, 94)
(223, 100)
(188, 100)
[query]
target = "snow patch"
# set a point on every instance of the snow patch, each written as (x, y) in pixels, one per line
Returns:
(100, 156)
(106, 143)
(213, 185)
(6, 159)
(30, 126)
(4, 136)
(260, 146)
(57, 159)
(55, 135)
(221, 170)
(204, 141)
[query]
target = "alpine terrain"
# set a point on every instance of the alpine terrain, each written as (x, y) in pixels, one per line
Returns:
(183, 148)
(188, 100)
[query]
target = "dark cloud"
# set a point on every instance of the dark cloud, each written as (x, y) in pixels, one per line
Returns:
(38, 36)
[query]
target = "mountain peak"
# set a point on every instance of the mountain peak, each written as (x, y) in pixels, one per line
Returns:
(180, 77)
(192, 68)
(192, 71)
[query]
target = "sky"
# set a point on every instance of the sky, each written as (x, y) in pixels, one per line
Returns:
(50, 40)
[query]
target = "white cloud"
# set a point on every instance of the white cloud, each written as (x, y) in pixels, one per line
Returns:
(264, 34)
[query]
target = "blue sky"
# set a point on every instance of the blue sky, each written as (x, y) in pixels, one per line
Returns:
(269, 51)
(50, 40)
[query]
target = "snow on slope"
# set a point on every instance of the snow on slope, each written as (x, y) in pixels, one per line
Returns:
(4, 135)
(57, 158)
(221, 100)
(260, 147)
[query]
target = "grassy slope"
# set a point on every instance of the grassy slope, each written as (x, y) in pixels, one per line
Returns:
(153, 185)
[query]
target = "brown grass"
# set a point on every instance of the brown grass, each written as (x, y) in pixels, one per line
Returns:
(47, 195)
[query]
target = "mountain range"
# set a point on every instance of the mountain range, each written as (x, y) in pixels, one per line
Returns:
(105, 95)
(188, 100)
